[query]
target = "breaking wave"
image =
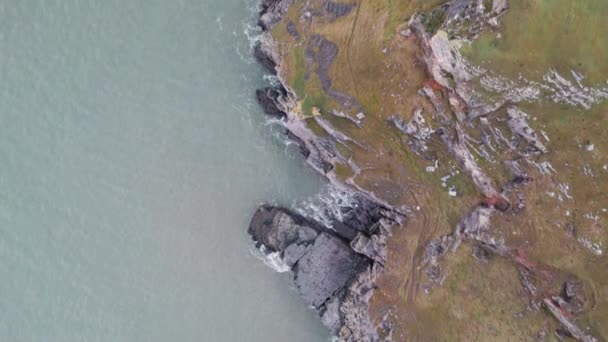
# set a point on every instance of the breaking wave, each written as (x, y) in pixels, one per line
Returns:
(327, 206)
(272, 260)
(252, 33)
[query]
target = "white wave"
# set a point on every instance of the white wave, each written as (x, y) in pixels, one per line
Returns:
(272, 121)
(250, 31)
(253, 33)
(272, 80)
(272, 260)
(326, 206)
(219, 22)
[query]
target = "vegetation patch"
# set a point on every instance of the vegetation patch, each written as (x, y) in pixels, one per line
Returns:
(433, 20)
(318, 101)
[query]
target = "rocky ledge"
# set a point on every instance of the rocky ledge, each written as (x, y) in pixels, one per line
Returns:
(333, 268)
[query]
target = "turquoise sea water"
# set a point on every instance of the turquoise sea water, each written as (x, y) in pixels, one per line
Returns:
(132, 156)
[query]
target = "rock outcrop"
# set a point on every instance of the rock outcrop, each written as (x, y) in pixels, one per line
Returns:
(333, 268)
(271, 12)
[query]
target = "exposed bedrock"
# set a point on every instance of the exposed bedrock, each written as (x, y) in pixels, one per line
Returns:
(322, 261)
(279, 102)
(268, 100)
(333, 269)
(271, 12)
(264, 59)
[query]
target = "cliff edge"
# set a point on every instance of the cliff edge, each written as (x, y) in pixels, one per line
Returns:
(471, 136)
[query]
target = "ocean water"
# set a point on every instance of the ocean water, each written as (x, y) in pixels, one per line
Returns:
(132, 155)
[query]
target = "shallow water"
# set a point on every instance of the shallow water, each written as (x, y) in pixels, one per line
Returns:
(133, 156)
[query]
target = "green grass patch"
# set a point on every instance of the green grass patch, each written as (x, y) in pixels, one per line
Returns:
(433, 20)
(548, 34)
(392, 21)
(310, 101)
(462, 183)
(300, 65)
(343, 171)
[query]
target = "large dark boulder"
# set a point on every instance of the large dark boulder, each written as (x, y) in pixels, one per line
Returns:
(322, 261)
(277, 228)
(329, 266)
(362, 216)
(264, 59)
(267, 99)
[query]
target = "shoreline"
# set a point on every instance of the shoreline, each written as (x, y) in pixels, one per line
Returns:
(360, 238)
(452, 127)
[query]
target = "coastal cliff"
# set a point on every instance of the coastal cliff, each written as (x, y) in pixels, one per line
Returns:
(480, 208)
(334, 269)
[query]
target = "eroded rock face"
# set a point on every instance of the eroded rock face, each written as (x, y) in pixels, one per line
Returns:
(518, 123)
(267, 99)
(327, 267)
(272, 11)
(264, 58)
(333, 270)
(277, 229)
(323, 262)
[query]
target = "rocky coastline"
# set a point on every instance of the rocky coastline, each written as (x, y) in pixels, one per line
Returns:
(333, 268)
(337, 267)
